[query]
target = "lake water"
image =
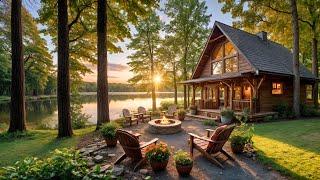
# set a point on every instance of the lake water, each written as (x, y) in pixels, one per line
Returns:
(43, 113)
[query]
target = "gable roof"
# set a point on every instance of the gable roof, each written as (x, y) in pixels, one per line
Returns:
(265, 56)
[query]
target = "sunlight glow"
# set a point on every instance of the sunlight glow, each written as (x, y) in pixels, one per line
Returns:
(157, 79)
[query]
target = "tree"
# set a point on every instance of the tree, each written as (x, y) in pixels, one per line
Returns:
(168, 55)
(17, 112)
(64, 119)
(102, 90)
(296, 72)
(143, 62)
(189, 25)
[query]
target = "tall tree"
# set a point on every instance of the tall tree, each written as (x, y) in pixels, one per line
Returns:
(296, 72)
(102, 89)
(143, 62)
(64, 119)
(17, 113)
(188, 23)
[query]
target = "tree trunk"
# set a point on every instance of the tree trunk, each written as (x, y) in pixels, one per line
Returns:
(102, 90)
(17, 113)
(175, 84)
(185, 78)
(153, 93)
(315, 68)
(295, 29)
(64, 119)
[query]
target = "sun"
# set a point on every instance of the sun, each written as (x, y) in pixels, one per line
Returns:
(157, 79)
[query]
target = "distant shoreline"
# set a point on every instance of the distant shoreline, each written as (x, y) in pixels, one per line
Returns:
(6, 99)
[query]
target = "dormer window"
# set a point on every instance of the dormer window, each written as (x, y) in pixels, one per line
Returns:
(224, 59)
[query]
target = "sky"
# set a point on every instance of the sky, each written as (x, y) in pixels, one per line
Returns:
(118, 70)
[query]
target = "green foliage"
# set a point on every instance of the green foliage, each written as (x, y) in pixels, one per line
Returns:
(6, 136)
(108, 130)
(164, 105)
(268, 118)
(228, 113)
(61, 164)
(182, 158)
(283, 110)
(209, 122)
(181, 112)
(242, 134)
(78, 118)
(158, 153)
(309, 111)
(239, 140)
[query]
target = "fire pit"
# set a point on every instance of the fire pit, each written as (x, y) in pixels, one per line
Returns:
(164, 126)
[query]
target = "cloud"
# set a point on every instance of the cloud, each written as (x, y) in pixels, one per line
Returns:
(117, 67)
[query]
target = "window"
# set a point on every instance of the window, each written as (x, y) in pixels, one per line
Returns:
(225, 59)
(237, 92)
(231, 64)
(309, 92)
(277, 88)
(229, 49)
(217, 67)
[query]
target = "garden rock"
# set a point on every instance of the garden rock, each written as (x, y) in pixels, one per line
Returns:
(144, 171)
(118, 170)
(98, 159)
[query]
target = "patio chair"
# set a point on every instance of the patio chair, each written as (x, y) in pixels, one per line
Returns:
(172, 110)
(128, 117)
(143, 112)
(132, 147)
(213, 146)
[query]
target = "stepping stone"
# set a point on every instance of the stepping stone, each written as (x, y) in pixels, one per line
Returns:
(98, 159)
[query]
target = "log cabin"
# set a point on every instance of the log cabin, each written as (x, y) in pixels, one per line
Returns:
(239, 70)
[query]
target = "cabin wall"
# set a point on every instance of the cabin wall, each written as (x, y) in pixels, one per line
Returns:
(267, 100)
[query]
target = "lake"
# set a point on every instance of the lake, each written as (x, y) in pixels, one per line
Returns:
(43, 113)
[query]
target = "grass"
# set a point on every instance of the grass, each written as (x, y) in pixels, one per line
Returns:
(39, 144)
(290, 147)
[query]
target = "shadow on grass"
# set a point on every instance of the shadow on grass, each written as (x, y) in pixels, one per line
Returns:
(263, 158)
(303, 134)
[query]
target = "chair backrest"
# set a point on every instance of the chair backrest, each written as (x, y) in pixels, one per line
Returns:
(220, 139)
(130, 144)
(142, 110)
(172, 109)
(126, 112)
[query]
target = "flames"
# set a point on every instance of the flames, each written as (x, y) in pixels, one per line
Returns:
(165, 121)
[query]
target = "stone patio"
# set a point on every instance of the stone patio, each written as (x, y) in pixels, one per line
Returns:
(243, 168)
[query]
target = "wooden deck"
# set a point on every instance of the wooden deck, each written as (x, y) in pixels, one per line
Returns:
(204, 114)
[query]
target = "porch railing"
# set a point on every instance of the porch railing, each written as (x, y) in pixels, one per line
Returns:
(239, 105)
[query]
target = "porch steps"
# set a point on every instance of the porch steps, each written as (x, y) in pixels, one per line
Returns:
(199, 117)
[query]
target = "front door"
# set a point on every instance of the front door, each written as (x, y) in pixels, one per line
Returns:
(246, 92)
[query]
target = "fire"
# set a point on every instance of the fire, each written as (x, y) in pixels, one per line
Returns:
(165, 121)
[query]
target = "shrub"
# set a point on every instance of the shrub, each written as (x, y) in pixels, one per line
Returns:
(181, 112)
(209, 122)
(182, 158)
(228, 113)
(268, 118)
(108, 130)
(61, 164)
(239, 140)
(79, 119)
(308, 111)
(164, 105)
(158, 152)
(283, 110)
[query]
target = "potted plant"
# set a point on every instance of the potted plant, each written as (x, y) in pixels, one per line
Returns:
(193, 109)
(240, 137)
(108, 131)
(238, 143)
(181, 114)
(183, 162)
(158, 156)
(226, 116)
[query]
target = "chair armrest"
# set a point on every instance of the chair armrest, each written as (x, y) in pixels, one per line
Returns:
(148, 143)
(199, 137)
(209, 131)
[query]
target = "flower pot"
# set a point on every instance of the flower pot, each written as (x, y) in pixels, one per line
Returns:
(159, 166)
(193, 111)
(181, 117)
(111, 142)
(225, 119)
(237, 148)
(184, 170)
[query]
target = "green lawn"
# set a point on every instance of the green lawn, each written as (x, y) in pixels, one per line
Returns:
(40, 144)
(291, 147)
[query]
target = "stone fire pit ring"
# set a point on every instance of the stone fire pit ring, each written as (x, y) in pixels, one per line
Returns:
(156, 128)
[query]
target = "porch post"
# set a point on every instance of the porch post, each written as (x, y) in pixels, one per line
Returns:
(225, 96)
(217, 96)
(193, 95)
(231, 95)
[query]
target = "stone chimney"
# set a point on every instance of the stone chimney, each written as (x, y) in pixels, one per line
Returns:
(263, 35)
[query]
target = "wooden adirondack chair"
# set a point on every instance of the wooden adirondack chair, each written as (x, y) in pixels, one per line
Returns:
(143, 112)
(128, 117)
(171, 111)
(213, 146)
(132, 147)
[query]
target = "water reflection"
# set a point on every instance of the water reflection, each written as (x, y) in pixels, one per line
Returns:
(43, 113)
